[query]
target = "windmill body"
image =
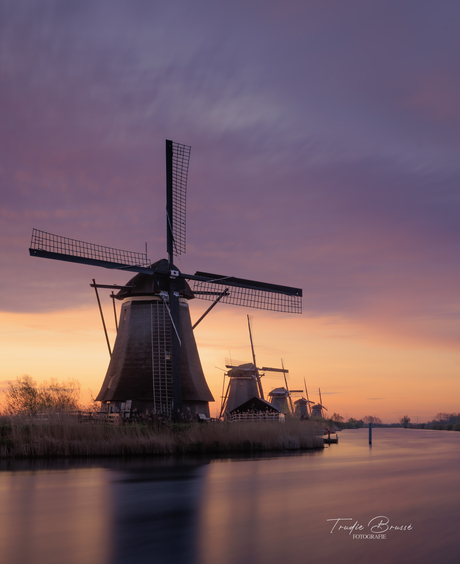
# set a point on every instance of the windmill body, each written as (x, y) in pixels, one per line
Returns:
(279, 398)
(301, 408)
(155, 365)
(317, 409)
(242, 387)
(139, 378)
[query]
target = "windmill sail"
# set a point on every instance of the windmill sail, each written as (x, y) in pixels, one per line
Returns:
(47, 245)
(259, 384)
(177, 161)
(247, 293)
(232, 363)
(268, 369)
(236, 291)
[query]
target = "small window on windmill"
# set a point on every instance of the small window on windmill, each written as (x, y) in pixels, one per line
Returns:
(110, 382)
(124, 313)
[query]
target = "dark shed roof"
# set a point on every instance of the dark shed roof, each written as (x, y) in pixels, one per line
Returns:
(255, 404)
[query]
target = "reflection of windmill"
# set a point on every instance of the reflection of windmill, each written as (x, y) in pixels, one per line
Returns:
(244, 380)
(302, 409)
(317, 409)
(155, 364)
(281, 397)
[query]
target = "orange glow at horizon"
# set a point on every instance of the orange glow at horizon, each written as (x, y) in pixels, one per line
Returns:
(361, 370)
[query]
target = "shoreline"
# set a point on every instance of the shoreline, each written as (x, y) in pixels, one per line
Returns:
(67, 438)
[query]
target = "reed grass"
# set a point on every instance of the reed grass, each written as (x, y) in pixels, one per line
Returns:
(64, 436)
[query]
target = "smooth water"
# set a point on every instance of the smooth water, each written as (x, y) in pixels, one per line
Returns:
(269, 509)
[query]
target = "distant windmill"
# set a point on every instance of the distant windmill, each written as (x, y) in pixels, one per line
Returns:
(279, 397)
(302, 408)
(155, 366)
(244, 380)
(317, 409)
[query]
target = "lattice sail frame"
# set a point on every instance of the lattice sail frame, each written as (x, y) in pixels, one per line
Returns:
(274, 373)
(60, 247)
(248, 297)
(232, 363)
(180, 163)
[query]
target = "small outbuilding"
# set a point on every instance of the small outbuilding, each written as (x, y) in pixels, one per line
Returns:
(256, 409)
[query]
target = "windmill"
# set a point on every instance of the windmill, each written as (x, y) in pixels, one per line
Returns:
(301, 405)
(317, 409)
(279, 397)
(242, 386)
(155, 366)
(244, 380)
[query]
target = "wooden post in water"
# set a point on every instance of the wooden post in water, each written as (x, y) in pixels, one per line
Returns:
(370, 433)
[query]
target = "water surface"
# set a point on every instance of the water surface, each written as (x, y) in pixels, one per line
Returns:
(264, 509)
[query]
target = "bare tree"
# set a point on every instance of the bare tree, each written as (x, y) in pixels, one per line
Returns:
(354, 423)
(372, 419)
(24, 396)
(405, 421)
(60, 396)
(445, 417)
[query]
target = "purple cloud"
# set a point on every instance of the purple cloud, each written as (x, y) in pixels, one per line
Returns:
(324, 145)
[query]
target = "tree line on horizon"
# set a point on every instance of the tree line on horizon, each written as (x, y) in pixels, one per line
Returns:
(25, 396)
(338, 420)
(442, 422)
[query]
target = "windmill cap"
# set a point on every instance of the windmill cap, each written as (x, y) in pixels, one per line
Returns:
(242, 371)
(279, 392)
(152, 284)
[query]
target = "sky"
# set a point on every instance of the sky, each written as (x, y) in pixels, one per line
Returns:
(325, 138)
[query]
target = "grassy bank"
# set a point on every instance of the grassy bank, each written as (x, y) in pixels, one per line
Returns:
(66, 437)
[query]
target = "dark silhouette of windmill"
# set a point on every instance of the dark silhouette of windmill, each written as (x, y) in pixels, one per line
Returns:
(281, 397)
(302, 409)
(244, 380)
(155, 366)
(317, 409)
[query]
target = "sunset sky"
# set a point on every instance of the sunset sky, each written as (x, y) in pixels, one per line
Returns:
(325, 143)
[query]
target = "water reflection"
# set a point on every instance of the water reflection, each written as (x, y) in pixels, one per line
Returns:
(55, 516)
(100, 512)
(278, 510)
(156, 508)
(252, 510)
